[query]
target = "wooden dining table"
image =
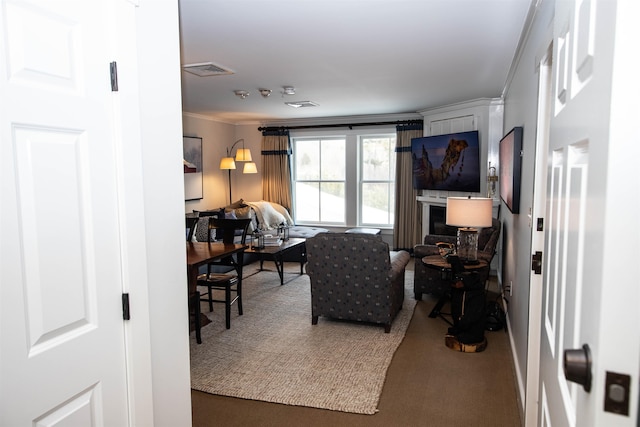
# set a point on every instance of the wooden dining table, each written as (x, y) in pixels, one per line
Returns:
(203, 253)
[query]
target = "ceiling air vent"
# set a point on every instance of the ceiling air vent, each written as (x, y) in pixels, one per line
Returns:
(301, 104)
(206, 69)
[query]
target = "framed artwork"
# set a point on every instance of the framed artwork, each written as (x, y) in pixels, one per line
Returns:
(192, 164)
(449, 162)
(510, 169)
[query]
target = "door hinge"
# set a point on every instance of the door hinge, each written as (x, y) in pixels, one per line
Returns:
(113, 68)
(536, 262)
(126, 314)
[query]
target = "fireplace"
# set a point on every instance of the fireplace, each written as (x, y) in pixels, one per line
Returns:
(438, 221)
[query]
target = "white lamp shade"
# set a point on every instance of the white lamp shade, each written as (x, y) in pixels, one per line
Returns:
(250, 167)
(227, 163)
(243, 155)
(468, 212)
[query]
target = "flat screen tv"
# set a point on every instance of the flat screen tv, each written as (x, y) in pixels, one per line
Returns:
(448, 162)
(511, 168)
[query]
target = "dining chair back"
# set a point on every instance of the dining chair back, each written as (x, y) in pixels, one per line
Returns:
(230, 282)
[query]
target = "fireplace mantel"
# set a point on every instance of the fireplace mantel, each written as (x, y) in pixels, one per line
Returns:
(441, 200)
(433, 200)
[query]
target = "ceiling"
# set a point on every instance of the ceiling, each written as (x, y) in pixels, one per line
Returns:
(351, 57)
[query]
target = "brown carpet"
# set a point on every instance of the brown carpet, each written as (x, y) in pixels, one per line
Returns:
(427, 384)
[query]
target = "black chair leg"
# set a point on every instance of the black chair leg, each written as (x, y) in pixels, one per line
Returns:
(210, 299)
(195, 302)
(227, 306)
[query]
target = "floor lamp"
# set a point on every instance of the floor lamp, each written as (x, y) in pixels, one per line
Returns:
(469, 214)
(242, 155)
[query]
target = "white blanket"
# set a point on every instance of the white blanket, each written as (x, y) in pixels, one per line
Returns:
(270, 215)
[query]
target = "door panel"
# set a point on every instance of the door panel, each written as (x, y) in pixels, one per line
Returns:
(586, 297)
(50, 174)
(562, 288)
(62, 333)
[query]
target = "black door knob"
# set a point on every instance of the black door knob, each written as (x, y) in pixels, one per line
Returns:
(577, 366)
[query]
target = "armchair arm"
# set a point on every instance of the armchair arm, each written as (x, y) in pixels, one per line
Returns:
(420, 251)
(399, 261)
(432, 239)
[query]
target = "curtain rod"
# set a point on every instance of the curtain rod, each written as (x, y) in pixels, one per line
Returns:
(339, 125)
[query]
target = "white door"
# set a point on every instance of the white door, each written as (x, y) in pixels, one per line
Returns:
(62, 333)
(590, 266)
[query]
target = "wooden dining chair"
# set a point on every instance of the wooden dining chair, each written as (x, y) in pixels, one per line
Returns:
(194, 298)
(229, 282)
(190, 226)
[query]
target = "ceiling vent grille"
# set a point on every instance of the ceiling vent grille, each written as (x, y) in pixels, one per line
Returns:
(301, 104)
(206, 69)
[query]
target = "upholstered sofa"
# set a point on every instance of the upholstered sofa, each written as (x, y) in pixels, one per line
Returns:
(430, 281)
(355, 277)
(265, 216)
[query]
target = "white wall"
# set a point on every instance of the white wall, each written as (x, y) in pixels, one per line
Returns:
(161, 133)
(520, 109)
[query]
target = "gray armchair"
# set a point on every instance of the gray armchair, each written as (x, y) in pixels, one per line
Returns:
(355, 277)
(430, 281)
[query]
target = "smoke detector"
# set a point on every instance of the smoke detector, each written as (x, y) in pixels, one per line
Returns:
(206, 69)
(288, 90)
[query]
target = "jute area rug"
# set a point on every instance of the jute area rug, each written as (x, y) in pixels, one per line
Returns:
(272, 353)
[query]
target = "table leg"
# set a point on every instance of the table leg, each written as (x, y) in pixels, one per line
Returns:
(436, 311)
(303, 257)
(278, 260)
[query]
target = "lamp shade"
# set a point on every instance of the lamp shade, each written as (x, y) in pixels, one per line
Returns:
(243, 155)
(250, 167)
(227, 163)
(468, 212)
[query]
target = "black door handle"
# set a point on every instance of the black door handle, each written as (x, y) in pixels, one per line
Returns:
(577, 366)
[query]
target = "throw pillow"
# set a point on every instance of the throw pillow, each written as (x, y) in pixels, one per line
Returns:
(246, 212)
(235, 205)
(203, 224)
(202, 228)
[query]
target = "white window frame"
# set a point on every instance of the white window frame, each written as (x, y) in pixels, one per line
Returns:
(361, 181)
(353, 198)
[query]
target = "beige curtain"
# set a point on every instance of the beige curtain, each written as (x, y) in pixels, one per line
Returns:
(276, 173)
(407, 228)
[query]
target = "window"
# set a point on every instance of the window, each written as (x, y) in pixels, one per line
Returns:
(320, 180)
(344, 179)
(377, 179)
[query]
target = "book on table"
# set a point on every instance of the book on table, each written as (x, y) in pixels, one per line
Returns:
(270, 240)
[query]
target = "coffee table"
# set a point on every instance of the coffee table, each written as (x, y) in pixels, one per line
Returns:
(276, 254)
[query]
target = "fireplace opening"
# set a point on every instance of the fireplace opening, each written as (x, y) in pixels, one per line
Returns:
(438, 221)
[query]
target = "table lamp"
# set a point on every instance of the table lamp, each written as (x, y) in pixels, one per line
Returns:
(469, 214)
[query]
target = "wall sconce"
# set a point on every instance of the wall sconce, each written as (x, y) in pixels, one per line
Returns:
(242, 155)
(492, 179)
